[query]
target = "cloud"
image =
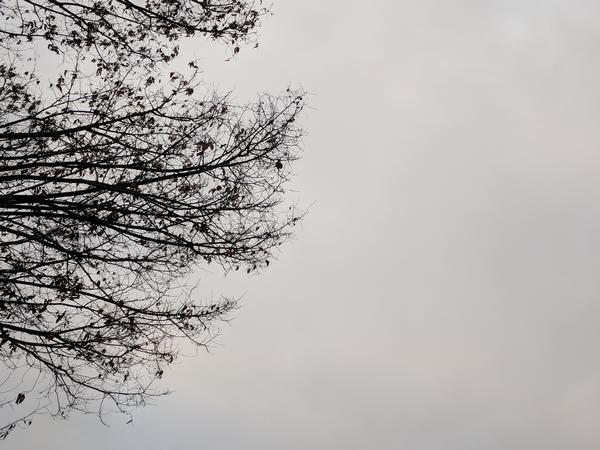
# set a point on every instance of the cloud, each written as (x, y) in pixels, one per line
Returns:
(443, 290)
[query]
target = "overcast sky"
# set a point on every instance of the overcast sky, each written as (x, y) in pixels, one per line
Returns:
(443, 293)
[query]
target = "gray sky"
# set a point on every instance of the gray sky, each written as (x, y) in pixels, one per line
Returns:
(443, 292)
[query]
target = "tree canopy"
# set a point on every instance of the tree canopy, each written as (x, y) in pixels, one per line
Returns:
(125, 31)
(115, 183)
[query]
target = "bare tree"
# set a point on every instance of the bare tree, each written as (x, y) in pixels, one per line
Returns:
(125, 31)
(113, 186)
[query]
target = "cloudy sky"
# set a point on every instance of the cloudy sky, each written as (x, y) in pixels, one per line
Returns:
(443, 292)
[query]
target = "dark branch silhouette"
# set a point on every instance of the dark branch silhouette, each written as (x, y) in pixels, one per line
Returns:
(114, 185)
(125, 32)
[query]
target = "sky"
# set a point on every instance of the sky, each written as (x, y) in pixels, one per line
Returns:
(442, 293)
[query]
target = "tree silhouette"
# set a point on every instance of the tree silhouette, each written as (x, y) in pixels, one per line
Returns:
(114, 185)
(124, 31)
